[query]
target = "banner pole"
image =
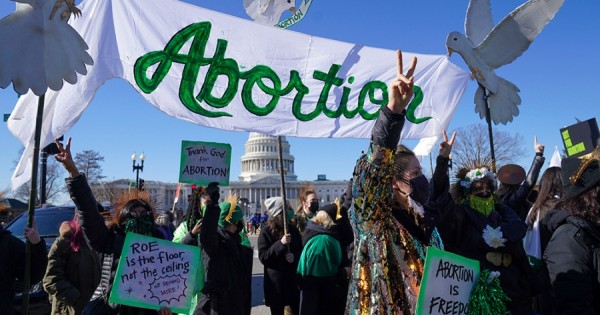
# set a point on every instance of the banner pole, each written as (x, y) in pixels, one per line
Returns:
(32, 201)
(282, 177)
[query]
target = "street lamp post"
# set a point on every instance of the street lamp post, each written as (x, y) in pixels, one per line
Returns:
(137, 168)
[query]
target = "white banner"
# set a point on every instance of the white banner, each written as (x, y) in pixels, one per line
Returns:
(228, 73)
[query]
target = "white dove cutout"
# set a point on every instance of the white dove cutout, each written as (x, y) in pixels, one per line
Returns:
(486, 48)
(39, 49)
(267, 12)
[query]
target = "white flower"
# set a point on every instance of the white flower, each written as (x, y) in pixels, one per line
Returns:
(493, 237)
(477, 174)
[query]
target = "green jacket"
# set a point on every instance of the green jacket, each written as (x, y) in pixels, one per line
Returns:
(71, 277)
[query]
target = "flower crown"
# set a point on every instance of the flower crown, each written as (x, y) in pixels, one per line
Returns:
(477, 174)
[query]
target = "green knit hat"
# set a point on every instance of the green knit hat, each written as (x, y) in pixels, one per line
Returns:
(229, 215)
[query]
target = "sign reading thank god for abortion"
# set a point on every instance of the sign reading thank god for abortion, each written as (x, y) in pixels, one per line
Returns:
(205, 162)
(154, 273)
(447, 283)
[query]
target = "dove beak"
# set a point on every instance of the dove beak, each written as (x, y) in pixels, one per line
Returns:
(450, 51)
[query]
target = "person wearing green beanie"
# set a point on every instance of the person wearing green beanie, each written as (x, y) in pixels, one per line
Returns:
(228, 263)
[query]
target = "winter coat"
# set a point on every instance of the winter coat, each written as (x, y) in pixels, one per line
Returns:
(573, 260)
(71, 277)
(320, 270)
(280, 284)
(228, 269)
(461, 230)
(12, 266)
(108, 243)
(182, 236)
(517, 199)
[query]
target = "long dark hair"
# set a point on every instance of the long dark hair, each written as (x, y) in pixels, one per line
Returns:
(586, 205)
(550, 193)
(275, 225)
(194, 209)
(126, 211)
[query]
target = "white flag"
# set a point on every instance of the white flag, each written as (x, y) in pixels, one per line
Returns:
(233, 74)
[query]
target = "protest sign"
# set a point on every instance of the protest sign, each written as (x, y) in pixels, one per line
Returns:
(205, 162)
(154, 272)
(447, 283)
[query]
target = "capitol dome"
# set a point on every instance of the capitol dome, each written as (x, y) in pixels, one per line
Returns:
(261, 158)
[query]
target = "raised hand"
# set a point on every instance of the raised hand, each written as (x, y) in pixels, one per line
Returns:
(213, 192)
(537, 147)
(400, 90)
(446, 145)
(66, 158)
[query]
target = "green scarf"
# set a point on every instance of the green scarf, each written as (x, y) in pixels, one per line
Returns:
(484, 206)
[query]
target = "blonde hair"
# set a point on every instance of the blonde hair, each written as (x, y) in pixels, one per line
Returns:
(323, 219)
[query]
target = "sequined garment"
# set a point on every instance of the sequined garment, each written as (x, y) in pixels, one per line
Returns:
(388, 262)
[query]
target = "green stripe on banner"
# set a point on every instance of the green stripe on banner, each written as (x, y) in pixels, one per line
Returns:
(6, 116)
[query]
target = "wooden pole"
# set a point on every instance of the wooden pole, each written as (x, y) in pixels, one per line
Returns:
(282, 177)
(32, 201)
(488, 119)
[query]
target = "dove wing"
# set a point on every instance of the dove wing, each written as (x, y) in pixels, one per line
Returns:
(478, 21)
(513, 35)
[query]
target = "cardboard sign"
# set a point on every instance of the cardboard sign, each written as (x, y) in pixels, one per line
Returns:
(581, 138)
(447, 283)
(154, 273)
(205, 162)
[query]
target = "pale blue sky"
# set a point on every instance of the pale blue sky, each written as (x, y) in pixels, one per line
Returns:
(557, 77)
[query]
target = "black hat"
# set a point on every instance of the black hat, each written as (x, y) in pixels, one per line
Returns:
(580, 175)
(332, 210)
(511, 174)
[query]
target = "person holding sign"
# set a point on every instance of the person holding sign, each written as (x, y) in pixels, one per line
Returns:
(134, 214)
(279, 254)
(477, 226)
(392, 225)
(228, 263)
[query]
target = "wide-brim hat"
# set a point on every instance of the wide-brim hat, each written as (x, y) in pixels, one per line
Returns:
(580, 175)
(511, 174)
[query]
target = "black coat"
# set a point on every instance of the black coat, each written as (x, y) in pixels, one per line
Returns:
(228, 266)
(12, 266)
(104, 241)
(573, 260)
(461, 230)
(517, 199)
(280, 285)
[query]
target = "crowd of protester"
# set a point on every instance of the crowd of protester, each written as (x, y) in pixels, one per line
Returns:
(364, 253)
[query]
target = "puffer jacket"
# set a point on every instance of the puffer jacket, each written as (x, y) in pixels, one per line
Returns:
(573, 260)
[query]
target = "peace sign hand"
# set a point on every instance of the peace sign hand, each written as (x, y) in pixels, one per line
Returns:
(400, 90)
(66, 158)
(446, 146)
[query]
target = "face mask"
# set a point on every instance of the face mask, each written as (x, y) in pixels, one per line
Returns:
(483, 205)
(314, 207)
(140, 225)
(420, 189)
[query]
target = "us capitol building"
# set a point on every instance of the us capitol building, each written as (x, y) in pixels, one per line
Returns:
(258, 181)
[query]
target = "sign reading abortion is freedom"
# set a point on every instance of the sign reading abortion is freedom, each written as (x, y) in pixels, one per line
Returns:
(154, 272)
(205, 162)
(447, 283)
